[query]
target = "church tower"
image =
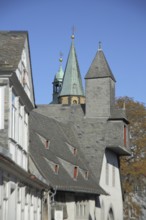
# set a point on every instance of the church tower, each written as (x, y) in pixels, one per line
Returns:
(72, 89)
(100, 87)
(57, 83)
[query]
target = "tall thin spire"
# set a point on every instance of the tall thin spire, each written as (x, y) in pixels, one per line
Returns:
(72, 83)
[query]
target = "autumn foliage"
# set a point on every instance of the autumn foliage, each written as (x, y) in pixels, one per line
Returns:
(133, 168)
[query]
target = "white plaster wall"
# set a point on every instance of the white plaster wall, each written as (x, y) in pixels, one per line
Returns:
(89, 212)
(2, 94)
(92, 209)
(13, 203)
(18, 133)
(70, 206)
(114, 200)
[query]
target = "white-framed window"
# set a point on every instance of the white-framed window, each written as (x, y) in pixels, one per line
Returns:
(25, 131)
(13, 116)
(19, 156)
(20, 131)
(2, 106)
(18, 143)
(81, 209)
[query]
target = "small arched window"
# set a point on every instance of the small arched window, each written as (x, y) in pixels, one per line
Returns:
(74, 101)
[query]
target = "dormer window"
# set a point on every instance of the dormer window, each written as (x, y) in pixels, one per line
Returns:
(72, 149)
(86, 174)
(47, 143)
(75, 174)
(56, 168)
(75, 151)
(53, 165)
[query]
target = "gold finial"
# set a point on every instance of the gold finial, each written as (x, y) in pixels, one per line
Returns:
(99, 45)
(61, 57)
(73, 33)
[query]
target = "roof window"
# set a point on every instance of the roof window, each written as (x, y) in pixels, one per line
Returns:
(72, 149)
(56, 168)
(47, 143)
(75, 151)
(86, 174)
(75, 174)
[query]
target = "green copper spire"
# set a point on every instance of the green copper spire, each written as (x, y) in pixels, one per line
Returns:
(57, 83)
(59, 75)
(72, 83)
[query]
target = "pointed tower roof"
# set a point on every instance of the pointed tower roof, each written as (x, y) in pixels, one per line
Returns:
(99, 67)
(72, 83)
(59, 75)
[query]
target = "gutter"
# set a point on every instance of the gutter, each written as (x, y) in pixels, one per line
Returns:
(7, 164)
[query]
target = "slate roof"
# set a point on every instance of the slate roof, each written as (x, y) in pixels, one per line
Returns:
(67, 124)
(60, 136)
(11, 46)
(99, 67)
(72, 83)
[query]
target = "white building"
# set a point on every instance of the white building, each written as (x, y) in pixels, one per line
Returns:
(20, 193)
(59, 161)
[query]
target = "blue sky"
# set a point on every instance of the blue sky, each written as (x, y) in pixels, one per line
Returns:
(119, 24)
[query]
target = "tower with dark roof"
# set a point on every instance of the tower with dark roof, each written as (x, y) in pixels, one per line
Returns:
(72, 90)
(100, 87)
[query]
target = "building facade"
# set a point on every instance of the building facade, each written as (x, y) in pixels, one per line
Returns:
(20, 192)
(59, 160)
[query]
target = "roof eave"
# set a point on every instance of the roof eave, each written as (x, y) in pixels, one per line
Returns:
(121, 151)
